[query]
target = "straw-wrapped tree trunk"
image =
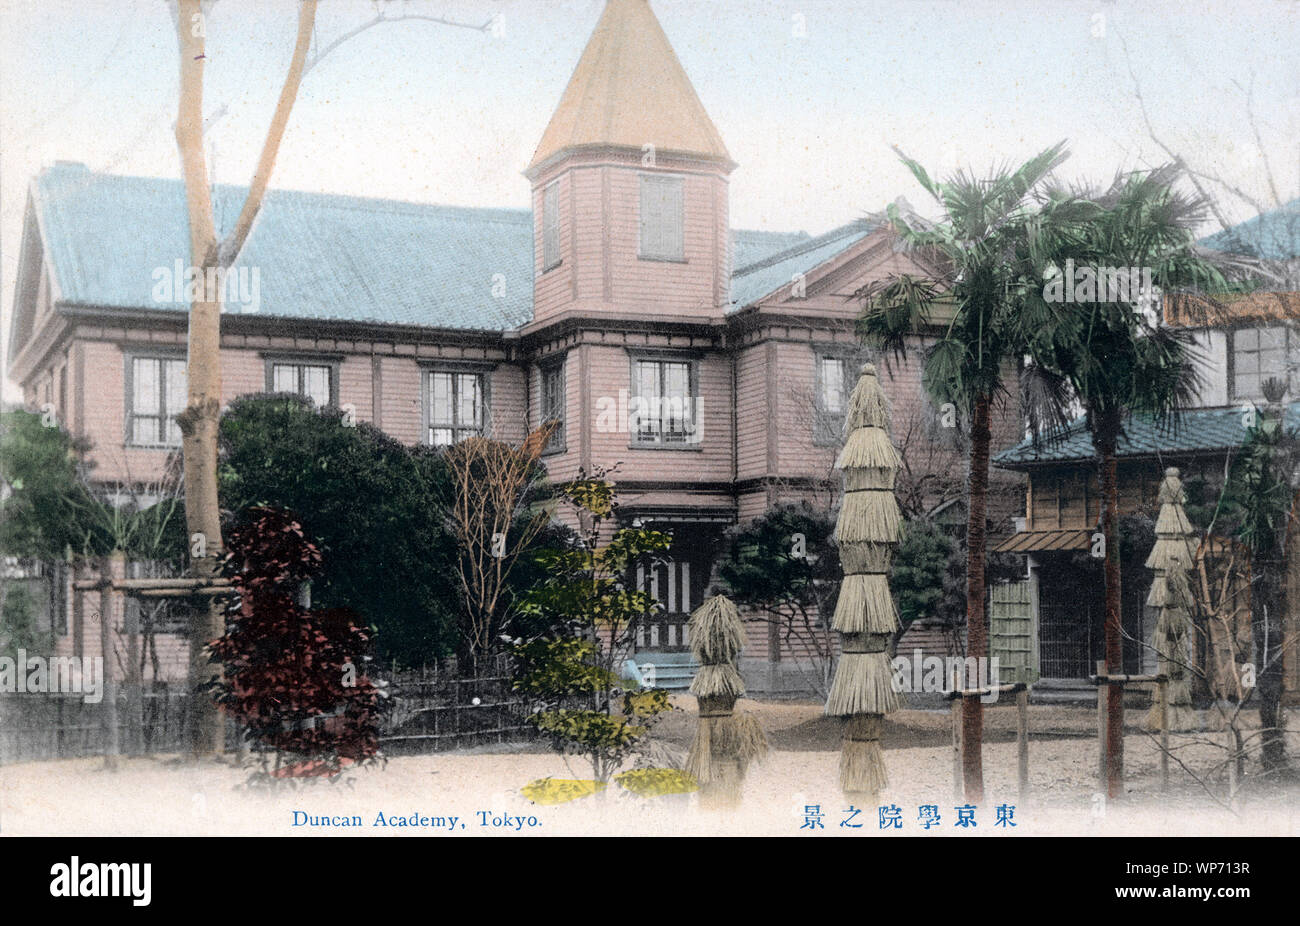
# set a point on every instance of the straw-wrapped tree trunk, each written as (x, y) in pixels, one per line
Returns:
(1170, 561)
(725, 742)
(867, 530)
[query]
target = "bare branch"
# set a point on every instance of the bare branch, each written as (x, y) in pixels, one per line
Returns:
(315, 59)
(229, 249)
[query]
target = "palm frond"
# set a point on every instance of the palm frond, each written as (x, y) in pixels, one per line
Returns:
(1046, 398)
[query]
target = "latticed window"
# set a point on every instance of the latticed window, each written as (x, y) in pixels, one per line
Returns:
(662, 410)
(456, 407)
(553, 405)
(309, 380)
(156, 396)
(1260, 354)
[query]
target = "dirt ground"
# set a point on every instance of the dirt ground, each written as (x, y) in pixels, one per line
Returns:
(793, 792)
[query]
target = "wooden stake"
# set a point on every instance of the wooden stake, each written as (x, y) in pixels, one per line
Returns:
(1022, 740)
(1102, 690)
(1162, 692)
(958, 787)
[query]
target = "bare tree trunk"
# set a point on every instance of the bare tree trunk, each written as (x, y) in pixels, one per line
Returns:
(1267, 603)
(1106, 440)
(199, 421)
(972, 709)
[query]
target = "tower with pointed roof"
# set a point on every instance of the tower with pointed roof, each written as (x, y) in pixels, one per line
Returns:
(630, 184)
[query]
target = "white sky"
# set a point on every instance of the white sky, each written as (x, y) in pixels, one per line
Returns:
(808, 94)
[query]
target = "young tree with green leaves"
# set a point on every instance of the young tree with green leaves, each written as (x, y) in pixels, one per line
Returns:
(981, 279)
(591, 618)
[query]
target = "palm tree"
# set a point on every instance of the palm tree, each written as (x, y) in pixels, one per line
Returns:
(1114, 359)
(1260, 487)
(983, 279)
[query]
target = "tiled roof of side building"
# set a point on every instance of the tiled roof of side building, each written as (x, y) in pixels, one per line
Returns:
(332, 257)
(1199, 430)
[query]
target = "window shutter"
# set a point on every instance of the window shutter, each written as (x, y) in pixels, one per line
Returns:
(551, 226)
(651, 218)
(671, 218)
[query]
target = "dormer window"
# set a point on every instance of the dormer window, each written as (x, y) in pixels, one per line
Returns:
(551, 226)
(661, 218)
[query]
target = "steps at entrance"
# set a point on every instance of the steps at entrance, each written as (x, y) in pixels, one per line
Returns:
(670, 671)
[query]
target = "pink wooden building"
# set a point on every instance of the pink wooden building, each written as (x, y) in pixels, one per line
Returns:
(712, 363)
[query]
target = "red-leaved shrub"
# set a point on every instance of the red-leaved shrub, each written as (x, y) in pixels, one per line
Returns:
(295, 677)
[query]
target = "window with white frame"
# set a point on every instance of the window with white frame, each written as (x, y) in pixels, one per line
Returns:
(551, 226)
(553, 404)
(155, 395)
(833, 385)
(1262, 353)
(662, 410)
(456, 406)
(310, 380)
(661, 218)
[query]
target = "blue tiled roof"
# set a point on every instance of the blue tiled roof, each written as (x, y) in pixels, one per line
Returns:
(749, 247)
(318, 256)
(761, 276)
(329, 257)
(1199, 430)
(1273, 235)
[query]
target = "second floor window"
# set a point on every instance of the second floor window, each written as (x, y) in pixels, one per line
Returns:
(310, 380)
(551, 226)
(456, 407)
(662, 409)
(1260, 354)
(832, 397)
(553, 404)
(661, 217)
(157, 396)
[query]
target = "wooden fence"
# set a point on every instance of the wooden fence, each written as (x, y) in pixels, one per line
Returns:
(439, 708)
(39, 727)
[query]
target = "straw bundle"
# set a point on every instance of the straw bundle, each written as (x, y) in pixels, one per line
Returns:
(717, 635)
(865, 557)
(1170, 559)
(725, 742)
(864, 677)
(865, 605)
(718, 681)
(870, 477)
(861, 760)
(867, 408)
(869, 516)
(867, 530)
(868, 448)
